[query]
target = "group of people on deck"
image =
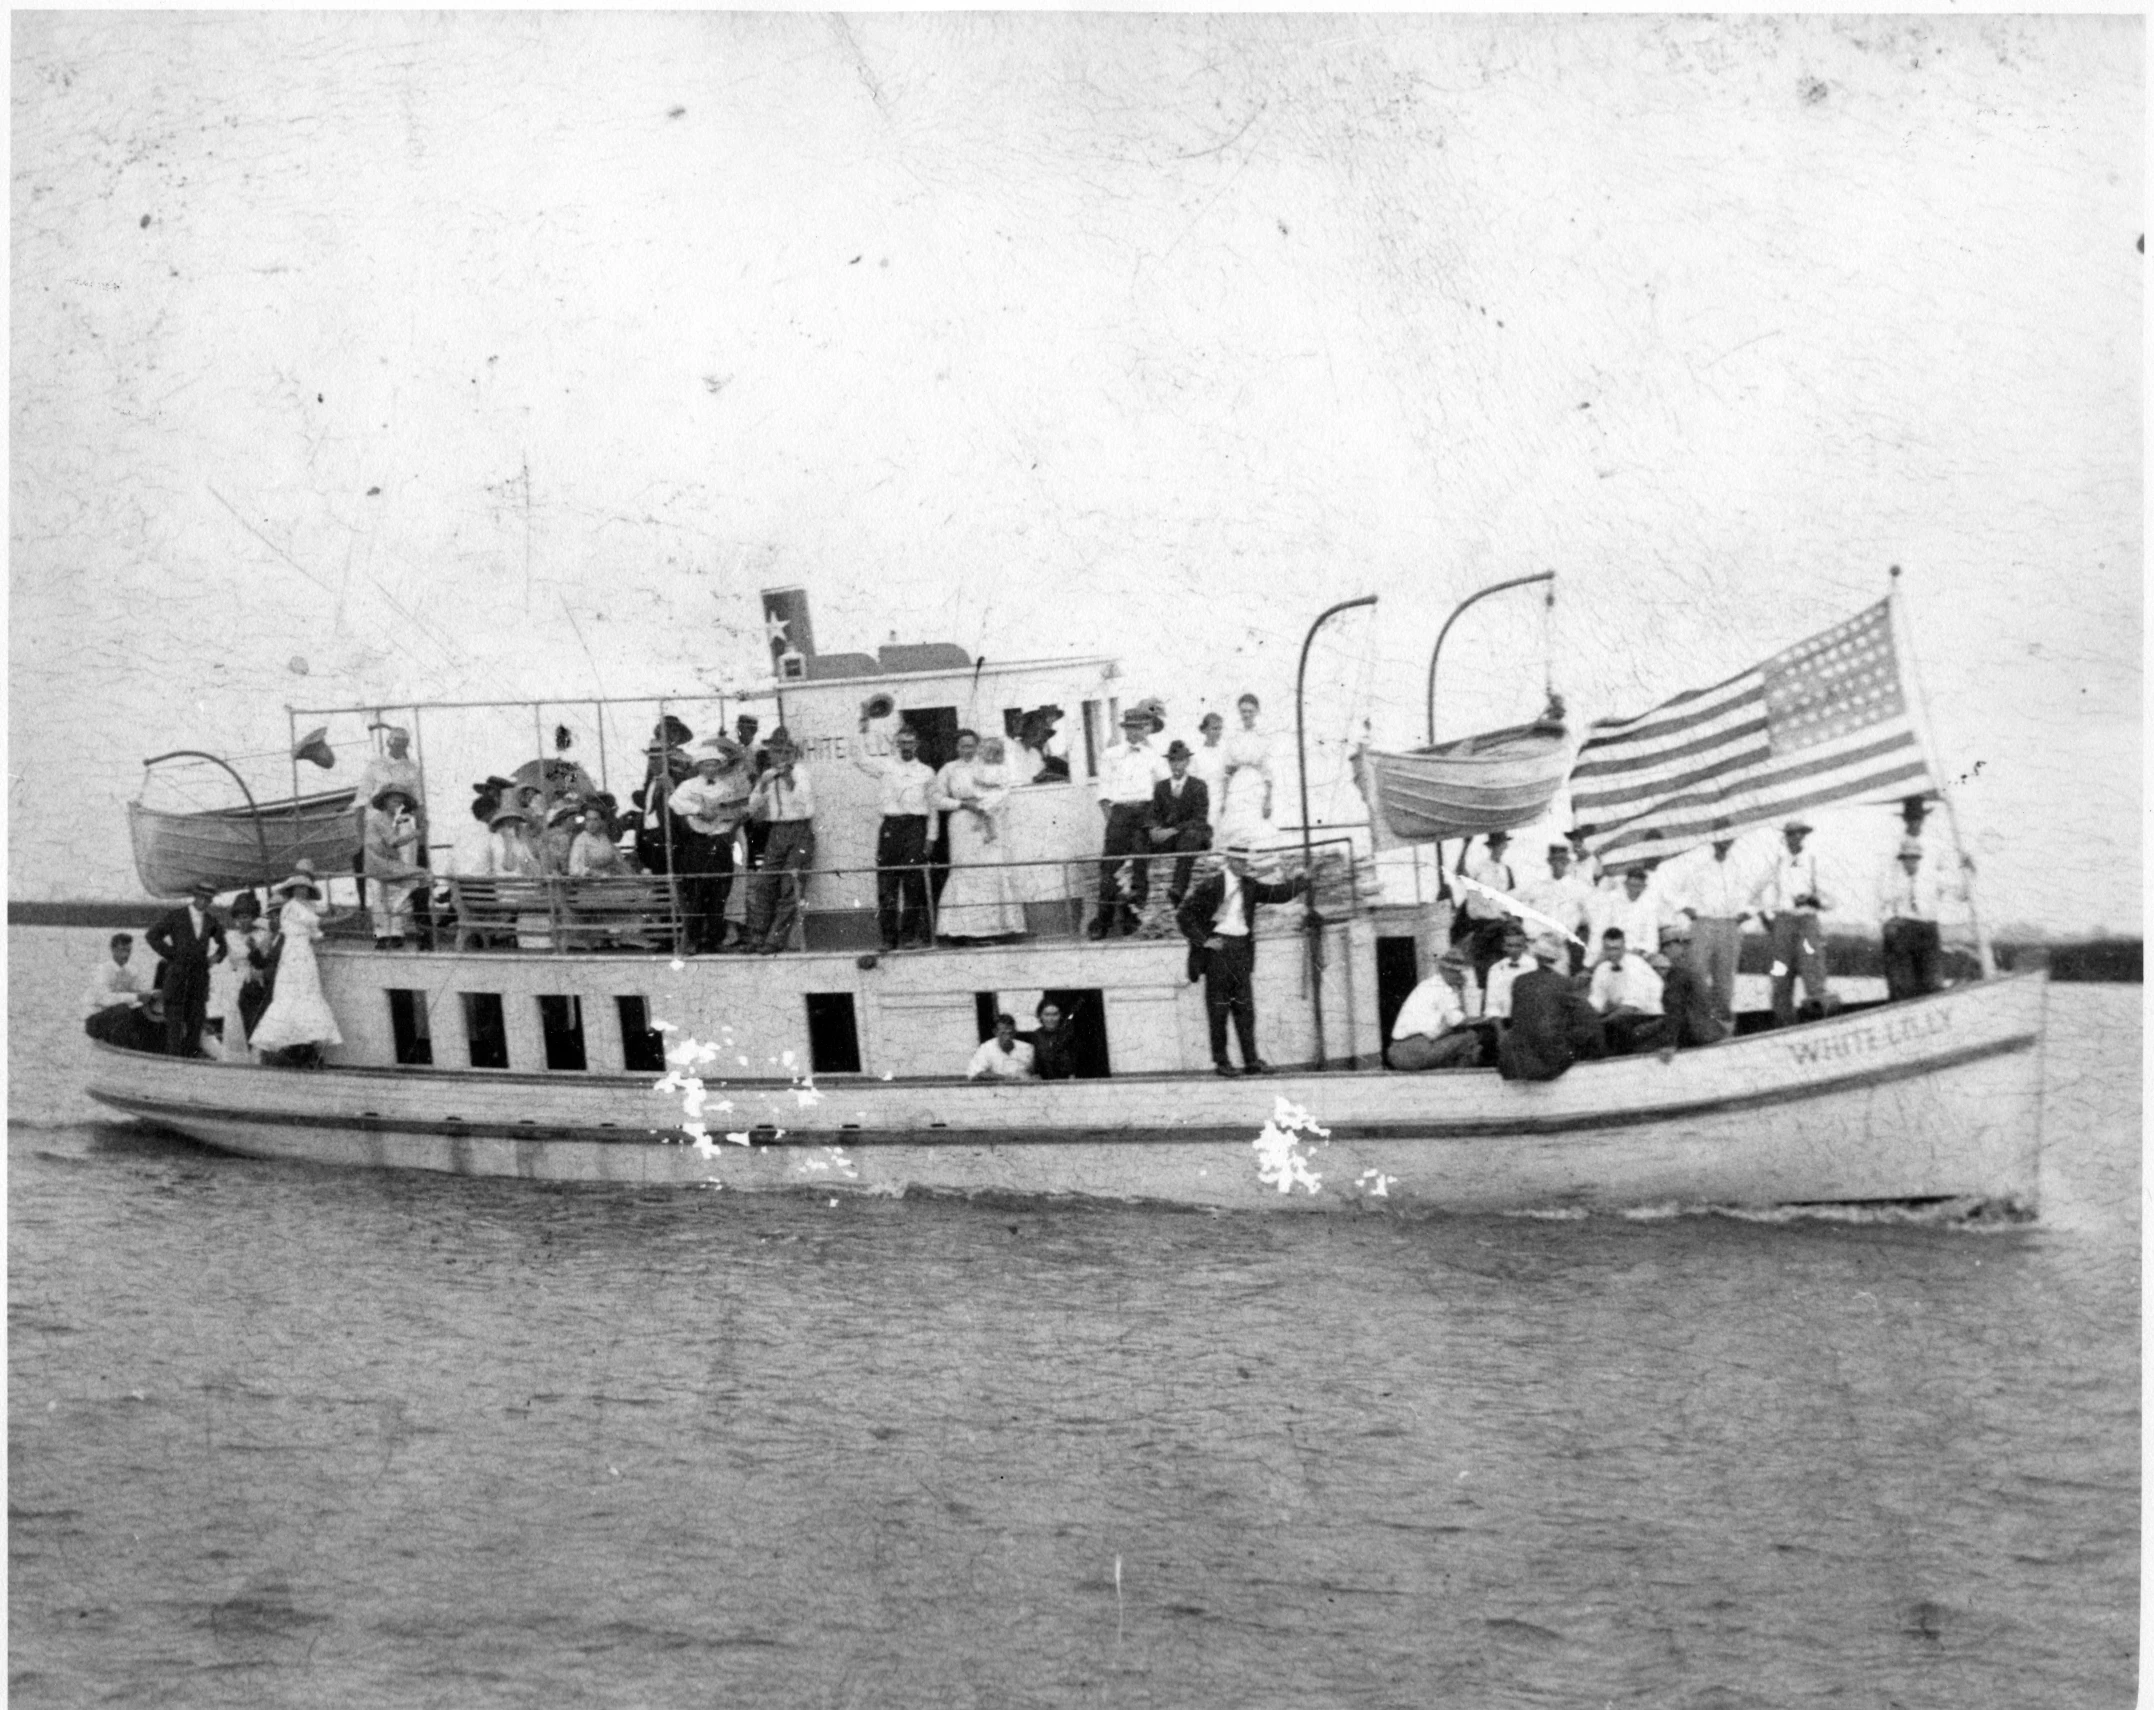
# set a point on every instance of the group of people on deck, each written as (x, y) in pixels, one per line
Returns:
(1664, 947)
(235, 985)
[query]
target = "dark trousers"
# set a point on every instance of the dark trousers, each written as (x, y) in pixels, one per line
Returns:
(186, 992)
(1187, 841)
(1798, 948)
(900, 884)
(706, 884)
(1228, 993)
(757, 832)
(1912, 956)
(1127, 823)
(774, 894)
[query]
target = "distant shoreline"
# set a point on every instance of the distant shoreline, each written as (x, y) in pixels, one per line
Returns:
(2108, 960)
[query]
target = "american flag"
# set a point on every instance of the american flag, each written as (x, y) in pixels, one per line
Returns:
(1826, 721)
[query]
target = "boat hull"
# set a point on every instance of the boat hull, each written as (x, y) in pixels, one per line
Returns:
(1938, 1099)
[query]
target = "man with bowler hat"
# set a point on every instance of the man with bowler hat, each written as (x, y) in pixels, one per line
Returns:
(1181, 818)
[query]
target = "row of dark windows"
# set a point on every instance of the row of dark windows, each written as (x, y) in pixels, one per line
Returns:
(833, 1032)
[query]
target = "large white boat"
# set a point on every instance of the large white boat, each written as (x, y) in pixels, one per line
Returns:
(548, 1048)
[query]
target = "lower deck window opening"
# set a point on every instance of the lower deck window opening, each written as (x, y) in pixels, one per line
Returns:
(643, 1047)
(833, 1036)
(561, 1024)
(486, 1034)
(408, 1023)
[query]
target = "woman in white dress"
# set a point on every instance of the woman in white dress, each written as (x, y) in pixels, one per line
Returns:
(978, 900)
(1244, 816)
(297, 1021)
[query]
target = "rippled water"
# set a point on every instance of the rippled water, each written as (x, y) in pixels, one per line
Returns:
(293, 1436)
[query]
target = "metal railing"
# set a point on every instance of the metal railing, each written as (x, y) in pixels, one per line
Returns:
(1055, 898)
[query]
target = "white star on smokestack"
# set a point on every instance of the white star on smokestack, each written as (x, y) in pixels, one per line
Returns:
(775, 628)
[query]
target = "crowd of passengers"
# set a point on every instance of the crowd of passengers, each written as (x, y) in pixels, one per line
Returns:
(1662, 944)
(710, 810)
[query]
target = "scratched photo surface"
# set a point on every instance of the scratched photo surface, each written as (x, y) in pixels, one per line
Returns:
(370, 359)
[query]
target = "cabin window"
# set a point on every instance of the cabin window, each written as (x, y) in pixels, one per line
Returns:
(1083, 1008)
(407, 1021)
(986, 1006)
(485, 1032)
(561, 1022)
(1092, 742)
(833, 1038)
(643, 1047)
(937, 730)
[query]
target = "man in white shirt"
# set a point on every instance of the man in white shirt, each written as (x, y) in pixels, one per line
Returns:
(1431, 1030)
(1516, 960)
(1911, 894)
(1485, 941)
(1633, 909)
(1713, 886)
(1564, 897)
(118, 1006)
(783, 803)
(1625, 990)
(1791, 899)
(395, 770)
(901, 845)
(1005, 1057)
(707, 811)
(1126, 777)
(1218, 917)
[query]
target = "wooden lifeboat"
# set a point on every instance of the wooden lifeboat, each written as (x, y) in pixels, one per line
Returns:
(1496, 781)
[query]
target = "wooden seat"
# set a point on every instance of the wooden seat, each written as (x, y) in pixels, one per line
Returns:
(631, 910)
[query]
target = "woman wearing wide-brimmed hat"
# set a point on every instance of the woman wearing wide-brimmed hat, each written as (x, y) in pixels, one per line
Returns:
(510, 852)
(393, 873)
(298, 1022)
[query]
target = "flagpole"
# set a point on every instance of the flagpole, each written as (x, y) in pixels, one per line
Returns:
(1984, 954)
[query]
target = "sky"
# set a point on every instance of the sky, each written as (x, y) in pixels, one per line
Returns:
(377, 357)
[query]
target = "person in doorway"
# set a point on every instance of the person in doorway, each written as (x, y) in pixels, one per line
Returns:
(1432, 1030)
(189, 939)
(1053, 1042)
(1218, 917)
(1004, 1057)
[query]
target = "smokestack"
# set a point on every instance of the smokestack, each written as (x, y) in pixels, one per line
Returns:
(791, 635)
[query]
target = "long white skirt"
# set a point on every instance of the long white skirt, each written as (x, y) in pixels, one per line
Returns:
(298, 1014)
(979, 899)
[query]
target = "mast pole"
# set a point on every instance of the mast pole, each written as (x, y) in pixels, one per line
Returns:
(1309, 921)
(1985, 953)
(1457, 612)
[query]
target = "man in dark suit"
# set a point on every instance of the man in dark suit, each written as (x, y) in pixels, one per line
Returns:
(1181, 818)
(189, 939)
(1552, 1025)
(1218, 917)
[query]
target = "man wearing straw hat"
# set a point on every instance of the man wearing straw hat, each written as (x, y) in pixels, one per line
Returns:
(1218, 917)
(1127, 777)
(1910, 900)
(783, 805)
(707, 812)
(1431, 1030)
(189, 939)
